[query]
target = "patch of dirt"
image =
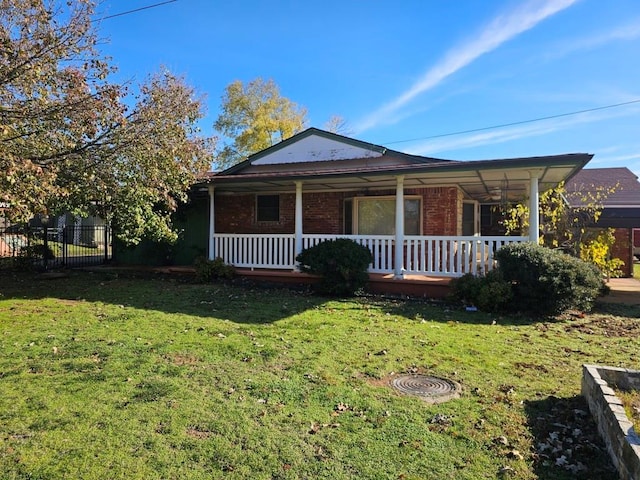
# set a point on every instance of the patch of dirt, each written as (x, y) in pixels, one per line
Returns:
(606, 325)
(380, 382)
(197, 432)
(182, 359)
(567, 440)
(531, 366)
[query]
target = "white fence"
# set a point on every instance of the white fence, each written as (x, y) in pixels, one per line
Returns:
(425, 255)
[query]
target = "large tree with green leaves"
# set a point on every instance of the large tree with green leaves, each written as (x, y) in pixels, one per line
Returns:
(71, 140)
(254, 117)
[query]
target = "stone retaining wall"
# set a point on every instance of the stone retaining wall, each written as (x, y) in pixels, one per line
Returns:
(623, 444)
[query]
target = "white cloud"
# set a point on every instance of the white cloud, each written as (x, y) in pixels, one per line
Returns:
(483, 138)
(507, 134)
(621, 33)
(502, 29)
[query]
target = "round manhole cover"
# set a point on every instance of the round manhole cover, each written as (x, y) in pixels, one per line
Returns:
(431, 389)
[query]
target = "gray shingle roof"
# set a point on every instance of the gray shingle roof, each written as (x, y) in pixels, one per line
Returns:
(627, 192)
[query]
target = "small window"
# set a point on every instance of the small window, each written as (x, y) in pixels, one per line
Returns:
(268, 208)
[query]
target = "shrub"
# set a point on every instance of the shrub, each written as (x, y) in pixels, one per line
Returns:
(342, 264)
(489, 293)
(546, 281)
(208, 270)
(32, 257)
(598, 251)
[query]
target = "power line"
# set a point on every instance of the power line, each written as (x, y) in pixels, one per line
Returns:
(135, 10)
(517, 123)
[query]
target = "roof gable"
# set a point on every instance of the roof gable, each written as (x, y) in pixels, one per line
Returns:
(316, 150)
(315, 145)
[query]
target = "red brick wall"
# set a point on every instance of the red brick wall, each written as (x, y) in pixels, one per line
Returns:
(324, 212)
(237, 214)
(442, 211)
(622, 250)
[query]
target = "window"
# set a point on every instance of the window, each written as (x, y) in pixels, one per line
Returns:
(268, 208)
(468, 219)
(377, 216)
(491, 218)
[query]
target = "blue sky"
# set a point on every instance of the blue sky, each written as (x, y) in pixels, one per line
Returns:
(401, 72)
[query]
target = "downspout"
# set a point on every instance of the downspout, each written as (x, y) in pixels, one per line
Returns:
(398, 269)
(212, 223)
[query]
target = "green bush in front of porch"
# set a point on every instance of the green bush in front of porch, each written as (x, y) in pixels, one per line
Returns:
(532, 279)
(342, 264)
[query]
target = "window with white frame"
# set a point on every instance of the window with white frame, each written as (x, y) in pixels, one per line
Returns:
(377, 216)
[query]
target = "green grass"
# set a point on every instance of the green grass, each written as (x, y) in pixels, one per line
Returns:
(149, 378)
(636, 270)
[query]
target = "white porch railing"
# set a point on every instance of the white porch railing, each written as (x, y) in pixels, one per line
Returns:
(256, 250)
(425, 255)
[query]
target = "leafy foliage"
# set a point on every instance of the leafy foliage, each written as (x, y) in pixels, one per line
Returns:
(489, 293)
(565, 217)
(546, 281)
(255, 116)
(208, 270)
(71, 140)
(597, 251)
(342, 264)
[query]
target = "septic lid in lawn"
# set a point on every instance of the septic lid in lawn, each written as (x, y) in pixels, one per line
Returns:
(430, 389)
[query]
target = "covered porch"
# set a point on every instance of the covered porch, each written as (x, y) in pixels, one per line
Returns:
(418, 216)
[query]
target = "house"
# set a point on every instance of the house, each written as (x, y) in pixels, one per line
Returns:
(621, 209)
(418, 215)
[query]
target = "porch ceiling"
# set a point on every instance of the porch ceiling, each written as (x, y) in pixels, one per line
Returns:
(483, 180)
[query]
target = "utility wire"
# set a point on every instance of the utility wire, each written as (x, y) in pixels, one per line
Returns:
(516, 123)
(135, 10)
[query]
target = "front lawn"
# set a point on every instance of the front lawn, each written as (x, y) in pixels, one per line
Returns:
(106, 377)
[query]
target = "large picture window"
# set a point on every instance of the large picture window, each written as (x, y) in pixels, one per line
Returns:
(377, 216)
(268, 208)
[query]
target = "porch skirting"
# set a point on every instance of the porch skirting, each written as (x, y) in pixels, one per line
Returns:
(418, 286)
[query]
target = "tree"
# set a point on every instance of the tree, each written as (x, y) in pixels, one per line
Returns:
(337, 124)
(565, 218)
(254, 117)
(69, 139)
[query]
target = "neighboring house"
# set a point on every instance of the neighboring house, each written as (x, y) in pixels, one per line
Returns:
(621, 208)
(318, 185)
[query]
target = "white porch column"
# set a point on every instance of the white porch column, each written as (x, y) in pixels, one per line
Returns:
(212, 223)
(298, 221)
(398, 270)
(534, 209)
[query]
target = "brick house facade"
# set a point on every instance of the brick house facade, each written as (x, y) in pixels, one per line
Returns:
(324, 212)
(317, 185)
